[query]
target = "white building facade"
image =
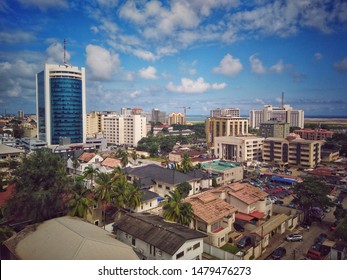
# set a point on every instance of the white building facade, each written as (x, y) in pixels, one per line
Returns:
(284, 114)
(125, 130)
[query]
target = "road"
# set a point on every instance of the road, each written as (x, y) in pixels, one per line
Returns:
(298, 250)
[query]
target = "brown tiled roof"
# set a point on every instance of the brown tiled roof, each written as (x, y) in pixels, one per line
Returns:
(244, 192)
(6, 195)
(209, 208)
(111, 162)
(86, 157)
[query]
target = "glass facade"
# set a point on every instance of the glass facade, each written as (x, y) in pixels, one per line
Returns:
(66, 109)
(41, 105)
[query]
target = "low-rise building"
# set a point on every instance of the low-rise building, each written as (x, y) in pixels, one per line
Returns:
(239, 148)
(274, 128)
(213, 216)
(225, 171)
(156, 239)
(314, 134)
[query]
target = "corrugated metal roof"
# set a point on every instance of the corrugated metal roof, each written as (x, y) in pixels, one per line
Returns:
(152, 229)
(68, 238)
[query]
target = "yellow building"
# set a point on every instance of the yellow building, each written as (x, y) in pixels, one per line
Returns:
(224, 126)
(293, 151)
(176, 118)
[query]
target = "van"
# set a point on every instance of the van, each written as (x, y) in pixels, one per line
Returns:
(244, 242)
(314, 255)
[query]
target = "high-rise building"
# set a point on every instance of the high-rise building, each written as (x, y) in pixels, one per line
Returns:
(274, 128)
(21, 114)
(176, 118)
(158, 116)
(224, 126)
(61, 104)
(227, 112)
(125, 130)
(284, 113)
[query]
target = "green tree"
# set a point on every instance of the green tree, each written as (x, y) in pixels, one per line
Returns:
(104, 191)
(312, 192)
(89, 173)
(132, 196)
(41, 186)
(134, 156)
(124, 160)
(184, 189)
(5, 233)
(81, 200)
(186, 163)
(341, 229)
(176, 210)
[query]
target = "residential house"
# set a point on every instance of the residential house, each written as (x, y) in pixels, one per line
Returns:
(162, 180)
(250, 201)
(109, 164)
(153, 238)
(84, 160)
(213, 216)
(66, 238)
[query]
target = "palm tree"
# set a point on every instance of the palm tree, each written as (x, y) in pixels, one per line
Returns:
(104, 191)
(75, 165)
(80, 202)
(124, 160)
(134, 156)
(186, 163)
(133, 196)
(177, 211)
(89, 173)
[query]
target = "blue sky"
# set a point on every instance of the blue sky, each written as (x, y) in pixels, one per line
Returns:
(169, 54)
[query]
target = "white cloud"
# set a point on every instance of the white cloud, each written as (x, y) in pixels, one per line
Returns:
(55, 54)
(257, 66)
(101, 62)
(145, 55)
(191, 86)
(148, 73)
(278, 67)
(318, 56)
(341, 66)
(229, 66)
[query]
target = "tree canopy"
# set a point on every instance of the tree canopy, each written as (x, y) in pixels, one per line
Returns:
(41, 186)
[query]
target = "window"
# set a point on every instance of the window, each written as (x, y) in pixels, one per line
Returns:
(179, 255)
(133, 242)
(196, 246)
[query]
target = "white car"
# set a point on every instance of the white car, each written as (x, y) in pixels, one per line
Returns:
(294, 237)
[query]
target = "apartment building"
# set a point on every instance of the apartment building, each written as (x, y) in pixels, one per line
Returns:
(176, 118)
(224, 126)
(292, 150)
(125, 130)
(96, 122)
(239, 148)
(314, 134)
(284, 113)
(225, 112)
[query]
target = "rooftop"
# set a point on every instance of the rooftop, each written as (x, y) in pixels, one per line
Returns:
(220, 165)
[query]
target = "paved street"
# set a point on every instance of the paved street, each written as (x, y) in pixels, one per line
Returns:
(298, 250)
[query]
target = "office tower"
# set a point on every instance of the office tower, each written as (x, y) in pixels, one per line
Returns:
(227, 112)
(224, 126)
(21, 114)
(274, 128)
(61, 104)
(284, 113)
(125, 111)
(125, 130)
(176, 118)
(158, 116)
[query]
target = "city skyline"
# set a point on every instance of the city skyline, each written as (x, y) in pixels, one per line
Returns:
(173, 54)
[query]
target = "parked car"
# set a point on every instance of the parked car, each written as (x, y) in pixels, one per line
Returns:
(238, 227)
(244, 242)
(320, 239)
(333, 226)
(314, 254)
(278, 253)
(294, 237)
(279, 202)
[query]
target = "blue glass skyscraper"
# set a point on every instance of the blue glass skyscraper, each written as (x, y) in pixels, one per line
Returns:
(60, 104)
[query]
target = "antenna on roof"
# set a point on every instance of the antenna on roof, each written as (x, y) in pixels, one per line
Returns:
(64, 51)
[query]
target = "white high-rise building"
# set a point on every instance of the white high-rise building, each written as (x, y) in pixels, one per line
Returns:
(61, 104)
(284, 113)
(226, 112)
(125, 130)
